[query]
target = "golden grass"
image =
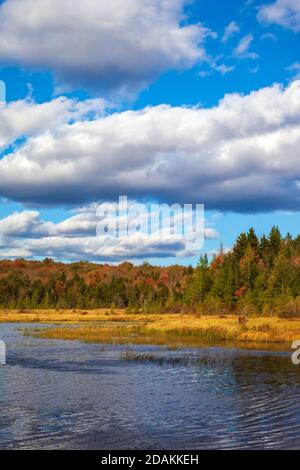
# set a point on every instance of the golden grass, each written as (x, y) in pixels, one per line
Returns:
(61, 316)
(104, 326)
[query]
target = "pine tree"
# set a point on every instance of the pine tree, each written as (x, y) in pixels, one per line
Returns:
(274, 243)
(240, 245)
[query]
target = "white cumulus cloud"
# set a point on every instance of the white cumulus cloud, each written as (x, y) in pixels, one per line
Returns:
(25, 118)
(113, 45)
(26, 234)
(282, 12)
(241, 155)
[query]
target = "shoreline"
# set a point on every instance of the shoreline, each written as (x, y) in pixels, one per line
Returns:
(186, 330)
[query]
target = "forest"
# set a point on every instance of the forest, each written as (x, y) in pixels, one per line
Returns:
(258, 276)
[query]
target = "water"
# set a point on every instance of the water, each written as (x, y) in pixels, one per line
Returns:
(68, 395)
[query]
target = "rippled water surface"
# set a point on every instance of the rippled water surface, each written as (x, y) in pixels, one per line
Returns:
(60, 394)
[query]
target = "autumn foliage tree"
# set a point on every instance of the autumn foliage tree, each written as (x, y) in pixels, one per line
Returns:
(259, 275)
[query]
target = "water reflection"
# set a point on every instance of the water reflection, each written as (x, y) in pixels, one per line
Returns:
(56, 394)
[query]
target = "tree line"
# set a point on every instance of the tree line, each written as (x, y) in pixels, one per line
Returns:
(258, 276)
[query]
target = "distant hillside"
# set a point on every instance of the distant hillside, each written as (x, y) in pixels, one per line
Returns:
(258, 276)
(47, 284)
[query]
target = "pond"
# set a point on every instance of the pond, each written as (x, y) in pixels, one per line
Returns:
(71, 395)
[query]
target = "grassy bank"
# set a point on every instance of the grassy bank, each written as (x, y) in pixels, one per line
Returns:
(61, 316)
(101, 326)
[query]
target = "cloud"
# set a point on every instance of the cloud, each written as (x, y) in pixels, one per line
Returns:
(253, 70)
(25, 224)
(282, 12)
(241, 155)
(295, 69)
(270, 36)
(25, 118)
(118, 45)
(242, 50)
(224, 69)
(204, 73)
(230, 30)
(25, 234)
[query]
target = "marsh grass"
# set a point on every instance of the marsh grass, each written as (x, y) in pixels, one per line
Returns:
(173, 361)
(174, 330)
(62, 316)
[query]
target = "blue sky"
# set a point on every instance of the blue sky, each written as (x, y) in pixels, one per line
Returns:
(115, 71)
